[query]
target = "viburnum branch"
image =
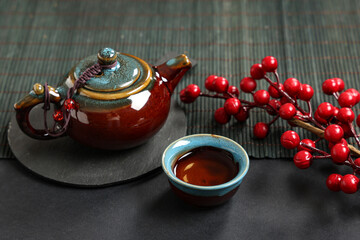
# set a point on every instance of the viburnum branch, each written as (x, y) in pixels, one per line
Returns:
(327, 122)
(320, 133)
(317, 131)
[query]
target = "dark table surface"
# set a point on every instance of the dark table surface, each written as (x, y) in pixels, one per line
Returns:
(275, 201)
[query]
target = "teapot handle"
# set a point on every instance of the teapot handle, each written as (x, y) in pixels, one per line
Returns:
(27, 103)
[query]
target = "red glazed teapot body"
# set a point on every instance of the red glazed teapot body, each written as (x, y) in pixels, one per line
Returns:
(119, 108)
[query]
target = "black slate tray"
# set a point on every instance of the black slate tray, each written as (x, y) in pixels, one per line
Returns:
(65, 161)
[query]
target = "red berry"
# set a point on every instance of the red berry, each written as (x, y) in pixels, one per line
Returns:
(242, 115)
(261, 130)
(325, 110)
(261, 97)
(306, 141)
(185, 98)
(345, 115)
(232, 106)
(333, 133)
(340, 83)
(357, 162)
(290, 139)
(269, 64)
(233, 90)
(192, 91)
(346, 129)
(247, 84)
(221, 116)
(333, 182)
(340, 153)
(355, 93)
(284, 100)
(273, 107)
(347, 99)
(320, 119)
(358, 120)
(69, 104)
(275, 93)
(292, 86)
(306, 92)
(209, 82)
(349, 183)
(257, 72)
(303, 159)
(336, 111)
(330, 86)
(58, 115)
(220, 84)
(287, 111)
(342, 141)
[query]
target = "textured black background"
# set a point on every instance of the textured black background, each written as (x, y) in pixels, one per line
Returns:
(40, 40)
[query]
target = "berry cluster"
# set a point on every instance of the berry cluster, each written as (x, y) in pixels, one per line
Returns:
(283, 101)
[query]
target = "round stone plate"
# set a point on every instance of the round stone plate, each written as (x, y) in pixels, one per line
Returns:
(66, 161)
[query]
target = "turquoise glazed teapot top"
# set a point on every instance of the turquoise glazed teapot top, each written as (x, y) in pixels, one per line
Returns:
(110, 100)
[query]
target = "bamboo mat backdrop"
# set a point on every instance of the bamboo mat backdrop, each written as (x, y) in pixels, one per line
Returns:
(40, 40)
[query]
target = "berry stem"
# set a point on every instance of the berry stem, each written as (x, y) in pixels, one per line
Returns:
(309, 109)
(274, 120)
(302, 117)
(213, 96)
(277, 77)
(354, 133)
(350, 162)
(246, 102)
(231, 95)
(314, 149)
(322, 156)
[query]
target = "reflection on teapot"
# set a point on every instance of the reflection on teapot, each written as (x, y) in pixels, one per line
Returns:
(120, 107)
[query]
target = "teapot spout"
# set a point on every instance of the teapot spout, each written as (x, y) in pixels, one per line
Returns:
(173, 70)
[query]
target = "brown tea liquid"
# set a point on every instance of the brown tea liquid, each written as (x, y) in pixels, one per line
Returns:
(206, 166)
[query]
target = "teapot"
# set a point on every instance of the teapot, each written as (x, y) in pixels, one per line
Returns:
(122, 102)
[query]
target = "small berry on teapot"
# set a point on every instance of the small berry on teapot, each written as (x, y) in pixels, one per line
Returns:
(58, 115)
(69, 104)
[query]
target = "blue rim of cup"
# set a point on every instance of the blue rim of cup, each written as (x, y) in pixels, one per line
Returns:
(233, 181)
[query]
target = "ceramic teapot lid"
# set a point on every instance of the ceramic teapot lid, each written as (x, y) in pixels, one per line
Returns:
(127, 76)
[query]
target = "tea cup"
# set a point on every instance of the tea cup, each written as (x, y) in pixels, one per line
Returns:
(204, 195)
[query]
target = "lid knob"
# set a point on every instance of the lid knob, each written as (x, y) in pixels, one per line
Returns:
(107, 56)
